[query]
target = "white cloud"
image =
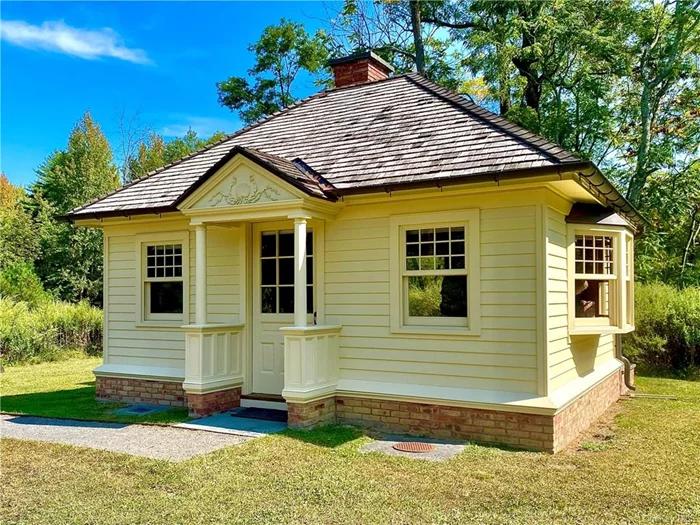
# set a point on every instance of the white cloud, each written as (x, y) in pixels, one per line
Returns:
(204, 126)
(62, 38)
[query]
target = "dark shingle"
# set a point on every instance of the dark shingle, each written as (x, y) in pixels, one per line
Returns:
(401, 130)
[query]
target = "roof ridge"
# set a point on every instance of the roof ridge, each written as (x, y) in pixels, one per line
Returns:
(506, 126)
(201, 150)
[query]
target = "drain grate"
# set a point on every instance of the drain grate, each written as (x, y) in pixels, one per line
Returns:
(414, 446)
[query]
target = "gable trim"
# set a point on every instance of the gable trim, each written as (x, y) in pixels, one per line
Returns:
(227, 169)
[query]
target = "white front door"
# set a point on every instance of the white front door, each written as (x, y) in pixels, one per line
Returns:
(273, 300)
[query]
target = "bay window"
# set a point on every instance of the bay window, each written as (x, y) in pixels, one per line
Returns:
(602, 287)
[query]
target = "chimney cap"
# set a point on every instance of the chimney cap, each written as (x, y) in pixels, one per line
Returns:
(360, 56)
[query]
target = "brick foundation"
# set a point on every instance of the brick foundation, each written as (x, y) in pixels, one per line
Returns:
(308, 415)
(577, 416)
(205, 404)
(550, 433)
(130, 390)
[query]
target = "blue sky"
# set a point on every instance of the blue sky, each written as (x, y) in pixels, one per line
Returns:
(162, 58)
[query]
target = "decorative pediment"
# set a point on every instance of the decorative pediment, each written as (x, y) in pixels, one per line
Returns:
(241, 182)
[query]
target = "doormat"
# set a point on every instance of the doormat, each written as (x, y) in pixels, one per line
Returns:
(267, 414)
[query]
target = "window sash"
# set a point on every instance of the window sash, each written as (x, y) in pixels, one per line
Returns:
(404, 275)
(618, 307)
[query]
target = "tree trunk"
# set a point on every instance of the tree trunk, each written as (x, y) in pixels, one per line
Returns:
(417, 36)
(641, 170)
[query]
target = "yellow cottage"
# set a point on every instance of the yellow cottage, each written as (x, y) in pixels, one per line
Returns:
(384, 253)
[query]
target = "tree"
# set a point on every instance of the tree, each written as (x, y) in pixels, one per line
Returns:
(70, 261)
(668, 46)
(154, 152)
(18, 240)
(613, 81)
(133, 132)
(393, 30)
(281, 54)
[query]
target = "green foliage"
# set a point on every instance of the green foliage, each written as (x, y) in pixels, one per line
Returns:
(667, 335)
(48, 330)
(18, 239)
(155, 152)
(281, 54)
(70, 259)
(19, 283)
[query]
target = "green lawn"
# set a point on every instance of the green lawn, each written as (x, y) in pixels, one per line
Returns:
(66, 389)
(643, 467)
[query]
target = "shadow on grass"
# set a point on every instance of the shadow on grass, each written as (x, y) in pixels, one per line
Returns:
(81, 404)
(329, 436)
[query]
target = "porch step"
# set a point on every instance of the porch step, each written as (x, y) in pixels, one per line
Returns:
(265, 414)
(264, 397)
(269, 401)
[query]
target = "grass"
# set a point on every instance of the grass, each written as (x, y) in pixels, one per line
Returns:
(641, 467)
(66, 389)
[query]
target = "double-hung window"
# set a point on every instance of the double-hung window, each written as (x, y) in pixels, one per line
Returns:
(164, 281)
(602, 288)
(435, 273)
(163, 297)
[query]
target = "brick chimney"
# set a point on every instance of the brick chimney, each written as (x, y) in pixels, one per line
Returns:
(359, 68)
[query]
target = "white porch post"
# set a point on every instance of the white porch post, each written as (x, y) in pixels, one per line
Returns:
(200, 291)
(300, 271)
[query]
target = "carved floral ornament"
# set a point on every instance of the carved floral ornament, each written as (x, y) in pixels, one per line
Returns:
(244, 193)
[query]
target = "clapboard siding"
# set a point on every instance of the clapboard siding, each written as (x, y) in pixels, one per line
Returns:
(568, 358)
(128, 344)
(164, 347)
(358, 273)
(223, 275)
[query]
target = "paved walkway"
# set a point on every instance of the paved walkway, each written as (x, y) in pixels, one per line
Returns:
(151, 441)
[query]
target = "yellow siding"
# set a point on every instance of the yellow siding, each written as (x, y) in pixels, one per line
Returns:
(503, 357)
(223, 275)
(569, 357)
(127, 343)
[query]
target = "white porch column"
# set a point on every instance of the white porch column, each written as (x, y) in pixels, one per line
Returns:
(200, 291)
(300, 271)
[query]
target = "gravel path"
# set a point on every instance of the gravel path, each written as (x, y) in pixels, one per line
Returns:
(158, 442)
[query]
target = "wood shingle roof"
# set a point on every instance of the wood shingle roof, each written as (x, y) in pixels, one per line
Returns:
(387, 133)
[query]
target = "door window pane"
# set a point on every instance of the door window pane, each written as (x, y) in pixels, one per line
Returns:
(277, 272)
(286, 304)
(286, 267)
(268, 246)
(269, 299)
(286, 244)
(269, 271)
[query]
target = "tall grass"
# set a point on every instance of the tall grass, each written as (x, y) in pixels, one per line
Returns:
(48, 330)
(667, 335)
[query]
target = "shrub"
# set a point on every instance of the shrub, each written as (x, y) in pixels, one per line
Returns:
(667, 335)
(19, 283)
(48, 330)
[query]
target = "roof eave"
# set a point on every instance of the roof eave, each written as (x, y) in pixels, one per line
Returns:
(603, 189)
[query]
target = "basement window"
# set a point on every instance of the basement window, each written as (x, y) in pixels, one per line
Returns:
(602, 288)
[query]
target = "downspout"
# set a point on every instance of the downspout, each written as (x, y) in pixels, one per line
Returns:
(625, 362)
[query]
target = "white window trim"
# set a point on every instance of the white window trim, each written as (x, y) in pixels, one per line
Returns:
(398, 224)
(616, 322)
(143, 319)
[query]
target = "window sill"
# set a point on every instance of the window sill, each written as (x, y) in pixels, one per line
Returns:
(159, 324)
(453, 331)
(601, 330)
